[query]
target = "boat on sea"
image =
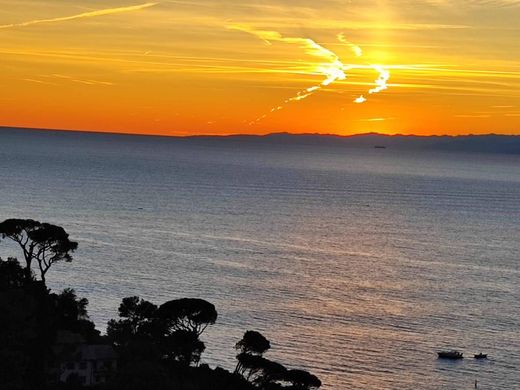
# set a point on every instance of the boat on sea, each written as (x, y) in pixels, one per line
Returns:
(480, 355)
(450, 355)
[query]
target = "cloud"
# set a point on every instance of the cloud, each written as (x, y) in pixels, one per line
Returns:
(38, 81)
(472, 116)
(101, 12)
(331, 67)
(376, 119)
(77, 80)
(381, 81)
(355, 48)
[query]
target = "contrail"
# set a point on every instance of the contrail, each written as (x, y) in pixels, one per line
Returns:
(381, 83)
(355, 48)
(384, 76)
(101, 12)
(332, 68)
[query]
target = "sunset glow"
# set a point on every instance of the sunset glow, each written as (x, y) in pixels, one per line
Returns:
(227, 67)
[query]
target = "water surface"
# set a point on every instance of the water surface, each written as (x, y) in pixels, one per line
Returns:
(357, 263)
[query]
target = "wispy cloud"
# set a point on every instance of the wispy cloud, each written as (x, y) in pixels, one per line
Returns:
(91, 14)
(331, 67)
(355, 48)
(472, 116)
(45, 79)
(39, 81)
(376, 119)
(78, 80)
(381, 82)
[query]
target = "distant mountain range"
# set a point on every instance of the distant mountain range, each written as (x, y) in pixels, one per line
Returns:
(489, 143)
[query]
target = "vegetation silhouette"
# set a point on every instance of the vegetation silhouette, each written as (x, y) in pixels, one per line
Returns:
(45, 243)
(48, 342)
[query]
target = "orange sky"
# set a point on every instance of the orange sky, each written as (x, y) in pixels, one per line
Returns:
(223, 67)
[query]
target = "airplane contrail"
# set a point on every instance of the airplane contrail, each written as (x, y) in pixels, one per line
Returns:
(101, 12)
(355, 48)
(332, 68)
(381, 82)
(384, 76)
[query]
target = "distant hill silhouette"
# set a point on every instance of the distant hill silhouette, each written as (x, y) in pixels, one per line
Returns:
(489, 143)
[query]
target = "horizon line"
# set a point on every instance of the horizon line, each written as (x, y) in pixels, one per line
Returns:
(204, 135)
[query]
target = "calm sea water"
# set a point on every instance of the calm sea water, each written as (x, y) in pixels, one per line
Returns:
(358, 264)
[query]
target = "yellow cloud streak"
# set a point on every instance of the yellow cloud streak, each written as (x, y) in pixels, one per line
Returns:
(355, 48)
(101, 12)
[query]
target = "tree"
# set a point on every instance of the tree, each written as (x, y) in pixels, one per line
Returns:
(69, 308)
(183, 347)
(252, 343)
(52, 245)
(19, 230)
(267, 374)
(137, 321)
(168, 334)
(187, 314)
(301, 380)
(43, 242)
(69, 312)
(12, 275)
(259, 370)
(182, 322)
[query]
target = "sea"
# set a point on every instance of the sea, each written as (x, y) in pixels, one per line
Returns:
(359, 264)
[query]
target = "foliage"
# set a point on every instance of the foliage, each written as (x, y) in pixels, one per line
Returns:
(44, 243)
(253, 342)
(183, 346)
(267, 374)
(159, 347)
(187, 314)
(137, 321)
(173, 328)
(30, 318)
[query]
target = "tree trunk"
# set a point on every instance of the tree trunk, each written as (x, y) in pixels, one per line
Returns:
(28, 274)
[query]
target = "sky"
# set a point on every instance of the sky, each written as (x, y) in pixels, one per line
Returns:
(256, 67)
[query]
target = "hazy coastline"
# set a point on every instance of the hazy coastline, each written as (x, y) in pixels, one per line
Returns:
(486, 143)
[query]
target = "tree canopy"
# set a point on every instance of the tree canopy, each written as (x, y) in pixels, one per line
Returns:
(266, 374)
(253, 342)
(188, 314)
(44, 243)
